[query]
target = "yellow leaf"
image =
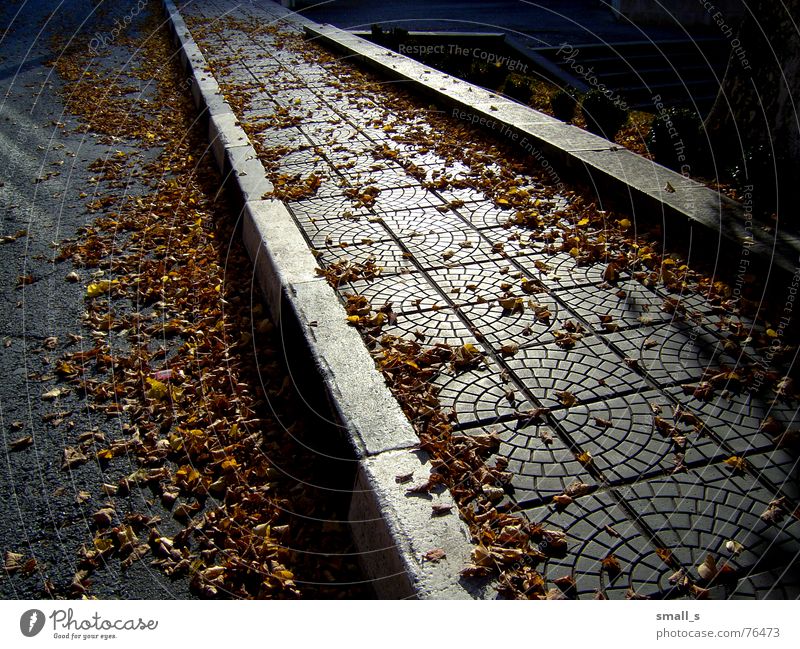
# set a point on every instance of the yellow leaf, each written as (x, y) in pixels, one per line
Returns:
(736, 463)
(158, 390)
(99, 288)
(103, 545)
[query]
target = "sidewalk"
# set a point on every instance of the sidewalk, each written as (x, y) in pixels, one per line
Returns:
(605, 417)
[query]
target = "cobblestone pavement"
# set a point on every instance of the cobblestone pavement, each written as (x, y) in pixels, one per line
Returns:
(645, 398)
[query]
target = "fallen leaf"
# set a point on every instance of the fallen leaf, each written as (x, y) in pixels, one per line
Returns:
(99, 288)
(566, 398)
(53, 394)
(734, 547)
(738, 464)
(509, 349)
(435, 555)
(708, 569)
(21, 443)
(611, 565)
(73, 457)
(562, 501)
(13, 561)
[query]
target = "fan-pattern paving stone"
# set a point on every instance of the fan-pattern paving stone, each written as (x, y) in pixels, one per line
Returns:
(597, 528)
(541, 464)
(624, 440)
(736, 419)
(780, 469)
(481, 396)
(627, 304)
(696, 513)
(387, 256)
(561, 270)
(505, 328)
(589, 372)
(673, 352)
(430, 327)
(342, 231)
(448, 254)
(406, 292)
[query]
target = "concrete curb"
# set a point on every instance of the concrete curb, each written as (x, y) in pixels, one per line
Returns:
(628, 180)
(391, 530)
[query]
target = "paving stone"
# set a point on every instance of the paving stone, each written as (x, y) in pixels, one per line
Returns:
(622, 437)
(589, 371)
(779, 584)
(628, 304)
(326, 133)
(508, 243)
(445, 247)
(407, 292)
(383, 175)
(480, 396)
(459, 194)
(420, 221)
(303, 162)
(351, 163)
(482, 214)
(586, 523)
(780, 469)
(431, 327)
(541, 465)
(696, 513)
(751, 342)
(342, 231)
(672, 352)
(319, 112)
(561, 270)
(292, 97)
(502, 327)
(399, 199)
(285, 137)
(736, 419)
(478, 282)
(330, 183)
(387, 255)
(328, 207)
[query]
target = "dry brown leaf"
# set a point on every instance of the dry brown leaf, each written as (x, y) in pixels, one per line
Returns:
(435, 555)
(20, 443)
(73, 457)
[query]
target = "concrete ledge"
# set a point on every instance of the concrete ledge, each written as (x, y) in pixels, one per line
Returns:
(379, 502)
(626, 180)
(391, 530)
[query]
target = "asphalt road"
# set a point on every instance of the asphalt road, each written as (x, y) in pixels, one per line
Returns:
(43, 170)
